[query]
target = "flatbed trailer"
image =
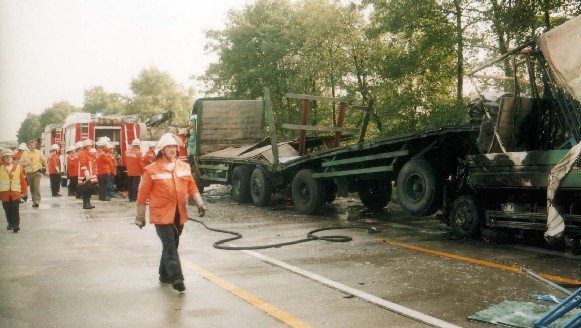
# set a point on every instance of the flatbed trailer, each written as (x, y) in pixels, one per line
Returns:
(226, 147)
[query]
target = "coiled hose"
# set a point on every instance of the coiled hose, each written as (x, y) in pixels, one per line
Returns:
(310, 237)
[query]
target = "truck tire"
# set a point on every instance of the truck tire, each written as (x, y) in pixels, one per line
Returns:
(241, 185)
(260, 188)
(465, 219)
(418, 188)
(308, 193)
(375, 195)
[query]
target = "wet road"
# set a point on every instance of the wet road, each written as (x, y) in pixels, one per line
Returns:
(70, 267)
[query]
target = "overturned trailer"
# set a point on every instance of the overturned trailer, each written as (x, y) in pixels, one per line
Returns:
(527, 176)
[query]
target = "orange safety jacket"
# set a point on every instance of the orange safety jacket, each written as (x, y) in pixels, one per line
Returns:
(54, 163)
(72, 166)
(166, 190)
(135, 163)
(86, 164)
(12, 184)
(149, 157)
(17, 156)
(104, 163)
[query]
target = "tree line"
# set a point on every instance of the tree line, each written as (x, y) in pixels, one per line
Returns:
(154, 92)
(406, 58)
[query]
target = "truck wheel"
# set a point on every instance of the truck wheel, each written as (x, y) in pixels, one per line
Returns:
(465, 219)
(241, 185)
(260, 188)
(375, 195)
(308, 193)
(418, 189)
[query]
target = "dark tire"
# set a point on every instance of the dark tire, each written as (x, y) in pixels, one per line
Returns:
(419, 190)
(241, 185)
(260, 188)
(375, 195)
(308, 193)
(466, 219)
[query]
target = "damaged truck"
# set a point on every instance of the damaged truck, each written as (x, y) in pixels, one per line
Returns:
(526, 176)
(512, 168)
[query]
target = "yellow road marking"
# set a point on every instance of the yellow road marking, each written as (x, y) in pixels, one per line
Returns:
(246, 296)
(480, 262)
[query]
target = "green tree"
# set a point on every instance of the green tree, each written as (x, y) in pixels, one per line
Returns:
(156, 92)
(97, 100)
(415, 62)
(56, 114)
(30, 128)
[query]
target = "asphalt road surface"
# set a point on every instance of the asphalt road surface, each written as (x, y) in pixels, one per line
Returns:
(70, 267)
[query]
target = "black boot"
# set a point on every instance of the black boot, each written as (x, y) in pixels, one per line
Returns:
(87, 205)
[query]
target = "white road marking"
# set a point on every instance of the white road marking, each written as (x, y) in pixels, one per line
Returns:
(407, 312)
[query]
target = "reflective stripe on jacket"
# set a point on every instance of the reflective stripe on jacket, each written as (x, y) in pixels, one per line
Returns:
(166, 190)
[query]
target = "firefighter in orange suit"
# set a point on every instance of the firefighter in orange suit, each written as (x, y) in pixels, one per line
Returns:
(110, 149)
(149, 156)
(72, 169)
(79, 145)
(12, 187)
(17, 155)
(165, 184)
(104, 169)
(135, 166)
(86, 173)
(54, 170)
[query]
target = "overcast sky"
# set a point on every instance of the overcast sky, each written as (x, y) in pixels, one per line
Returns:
(54, 50)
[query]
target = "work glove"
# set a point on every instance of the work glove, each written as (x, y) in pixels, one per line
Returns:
(200, 204)
(24, 198)
(140, 216)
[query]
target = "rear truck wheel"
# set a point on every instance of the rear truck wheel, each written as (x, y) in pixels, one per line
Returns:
(465, 218)
(260, 188)
(375, 195)
(241, 185)
(418, 188)
(308, 193)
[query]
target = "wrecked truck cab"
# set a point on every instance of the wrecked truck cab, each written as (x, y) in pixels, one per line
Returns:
(527, 177)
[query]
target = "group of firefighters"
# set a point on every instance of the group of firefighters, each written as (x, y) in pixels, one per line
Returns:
(157, 178)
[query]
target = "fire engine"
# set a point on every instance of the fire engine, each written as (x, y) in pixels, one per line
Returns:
(120, 129)
(53, 134)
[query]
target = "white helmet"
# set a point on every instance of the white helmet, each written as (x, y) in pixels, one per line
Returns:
(168, 139)
(70, 148)
(104, 139)
(109, 145)
(87, 142)
(54, 147)
(136, 142)
(79, 144)
(7, 152)
(22, 146)
(100, 144)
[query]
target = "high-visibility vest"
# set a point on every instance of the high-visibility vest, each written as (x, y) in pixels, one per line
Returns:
(10, 181)
(32, 159)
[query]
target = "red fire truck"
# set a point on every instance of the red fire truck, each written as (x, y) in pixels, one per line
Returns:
(120, 129)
